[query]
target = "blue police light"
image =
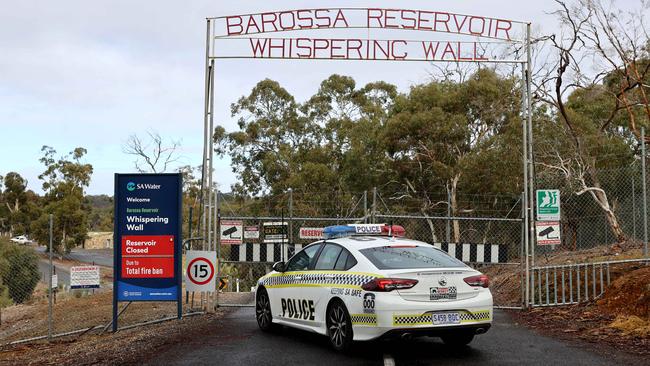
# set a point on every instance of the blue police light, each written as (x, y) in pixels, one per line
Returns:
(338, 231)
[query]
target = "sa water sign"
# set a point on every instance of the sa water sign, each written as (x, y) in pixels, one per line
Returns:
(147, 237)
(548, 205)
(200, 275)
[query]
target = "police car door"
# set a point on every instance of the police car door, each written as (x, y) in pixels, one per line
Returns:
(295, 296)
(328, 278)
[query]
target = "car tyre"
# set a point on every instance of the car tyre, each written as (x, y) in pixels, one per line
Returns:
(339, 326)
(263, 311)
(458, 338)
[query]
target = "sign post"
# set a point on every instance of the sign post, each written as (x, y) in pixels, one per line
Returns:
(201, 272)
(147, 237)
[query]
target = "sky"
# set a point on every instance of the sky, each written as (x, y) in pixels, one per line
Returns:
(91, 73)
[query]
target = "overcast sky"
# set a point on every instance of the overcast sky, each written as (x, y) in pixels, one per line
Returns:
(91, 73)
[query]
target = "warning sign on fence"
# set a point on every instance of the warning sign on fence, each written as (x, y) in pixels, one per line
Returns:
(84, 277)
(231, 231)
(548, 233)
(312, 233)
(252, 232)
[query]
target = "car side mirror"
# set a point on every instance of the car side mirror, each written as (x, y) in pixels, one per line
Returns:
(279, 267)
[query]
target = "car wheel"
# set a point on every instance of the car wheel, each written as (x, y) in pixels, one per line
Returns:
(458, 338)
(263, 311)
(339, 326)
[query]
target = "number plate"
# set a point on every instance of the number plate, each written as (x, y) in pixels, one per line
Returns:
(445, 318)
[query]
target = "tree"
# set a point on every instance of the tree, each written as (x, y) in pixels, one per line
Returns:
(590, 130)
(20, 205)
(325, 146)
(64, 180)
(153, 155)
(439, 130)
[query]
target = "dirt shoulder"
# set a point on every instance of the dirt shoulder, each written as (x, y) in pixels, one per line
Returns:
(620, 319)
(124, 347)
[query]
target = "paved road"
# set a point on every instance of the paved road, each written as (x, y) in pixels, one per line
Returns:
(237, 341)
(101, 257)
(61, 272)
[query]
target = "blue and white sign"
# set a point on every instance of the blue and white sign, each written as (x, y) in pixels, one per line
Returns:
(147, 250)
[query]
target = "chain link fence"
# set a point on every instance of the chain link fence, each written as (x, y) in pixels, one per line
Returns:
(483, 230)
(487, 243)
(609, 225)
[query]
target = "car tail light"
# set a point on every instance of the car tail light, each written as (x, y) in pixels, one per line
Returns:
(388, 284)
(478, 281)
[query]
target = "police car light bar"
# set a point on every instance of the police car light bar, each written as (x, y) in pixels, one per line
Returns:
(340, 231)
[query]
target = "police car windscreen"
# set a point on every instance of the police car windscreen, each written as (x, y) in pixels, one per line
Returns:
(407, 257)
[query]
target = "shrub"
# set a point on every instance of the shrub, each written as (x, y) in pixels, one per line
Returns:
(19, 271)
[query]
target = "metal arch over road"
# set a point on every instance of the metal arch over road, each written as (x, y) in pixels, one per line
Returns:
(244, 32)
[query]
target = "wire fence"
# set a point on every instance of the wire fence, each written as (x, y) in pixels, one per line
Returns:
(485, 231)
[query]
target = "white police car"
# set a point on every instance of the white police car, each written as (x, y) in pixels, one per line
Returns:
(354, 287)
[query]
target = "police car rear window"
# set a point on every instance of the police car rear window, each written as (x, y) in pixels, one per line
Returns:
(408, 257)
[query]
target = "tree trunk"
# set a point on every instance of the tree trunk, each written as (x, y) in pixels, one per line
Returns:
(600, 196)
(432, 228)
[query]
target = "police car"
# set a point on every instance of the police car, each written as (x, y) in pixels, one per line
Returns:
(354, 286)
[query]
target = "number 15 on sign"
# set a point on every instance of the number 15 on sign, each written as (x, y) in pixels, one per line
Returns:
(200, 273)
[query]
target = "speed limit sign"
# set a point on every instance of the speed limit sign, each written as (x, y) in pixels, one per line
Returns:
(200, 274)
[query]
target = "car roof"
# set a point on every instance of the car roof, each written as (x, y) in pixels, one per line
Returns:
(364, 242)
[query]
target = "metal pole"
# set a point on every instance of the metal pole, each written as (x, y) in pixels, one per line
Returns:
(524, 200)
(211, 153)
(50, 292)
(531, 167)
(365, 207)
(204, 166)
(217, 239)
(645, 197)
(633, 209)
(290, 216)
(448, 222)
(374, 204)
(523, 254)
(190, 224)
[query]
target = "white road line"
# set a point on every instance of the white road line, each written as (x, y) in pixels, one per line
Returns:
(389, 360)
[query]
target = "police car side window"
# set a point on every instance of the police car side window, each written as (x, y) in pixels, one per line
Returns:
(327, 257)
(345, 261)
(303, 260)
(340, 263)
(351, 262)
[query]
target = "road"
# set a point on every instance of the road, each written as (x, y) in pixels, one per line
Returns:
(237, 341)
(101, 257)
(61, 272)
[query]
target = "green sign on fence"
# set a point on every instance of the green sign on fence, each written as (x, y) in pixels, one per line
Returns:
(548, 204)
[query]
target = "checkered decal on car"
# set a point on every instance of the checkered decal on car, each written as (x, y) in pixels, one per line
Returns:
(317, 279)
(426, 319)
(412, 319)
(478, 316)
(364, 319)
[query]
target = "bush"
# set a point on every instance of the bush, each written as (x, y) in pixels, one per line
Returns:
(19, 271)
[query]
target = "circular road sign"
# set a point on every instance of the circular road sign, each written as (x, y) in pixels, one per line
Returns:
(200, 271)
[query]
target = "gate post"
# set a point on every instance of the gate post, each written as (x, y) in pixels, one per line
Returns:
(290, 216)
(217, 240)
(374, 205)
